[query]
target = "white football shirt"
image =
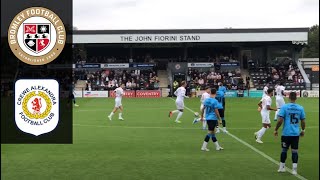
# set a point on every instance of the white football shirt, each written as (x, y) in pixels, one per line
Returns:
(180, 93)
(204, 96)
(265, 91)
(279, 90)
(266, 101)
(119, 92)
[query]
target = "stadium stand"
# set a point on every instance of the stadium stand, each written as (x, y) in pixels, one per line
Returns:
(280, 70)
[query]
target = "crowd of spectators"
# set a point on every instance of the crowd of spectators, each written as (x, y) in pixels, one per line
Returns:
(111, 79)
(198, 79)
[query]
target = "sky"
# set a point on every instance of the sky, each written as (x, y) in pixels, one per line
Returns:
(193, 14)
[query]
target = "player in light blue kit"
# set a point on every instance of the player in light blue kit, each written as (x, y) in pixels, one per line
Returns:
(212, 117)
(290, 115)
(220, 99)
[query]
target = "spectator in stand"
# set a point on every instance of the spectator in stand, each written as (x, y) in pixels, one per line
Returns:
(276, 76)
(229, 74)
(290, 77)
(300, 79)
(201, 81)
(128, 85)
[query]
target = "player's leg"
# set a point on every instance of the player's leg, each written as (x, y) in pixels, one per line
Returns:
(294, 150)
(180, 107)
(214, 139)
(116, 107)
(285, 146)
(265, 125)
(208, 136)
(114, 110)
(120, 113)
(278, 108)
(178, 104)
(221, 112)
(204, 122)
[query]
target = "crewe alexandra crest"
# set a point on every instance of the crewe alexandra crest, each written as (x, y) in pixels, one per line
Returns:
(37, 105)
(36, 36)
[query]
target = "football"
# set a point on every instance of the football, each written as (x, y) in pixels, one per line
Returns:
(196, 114)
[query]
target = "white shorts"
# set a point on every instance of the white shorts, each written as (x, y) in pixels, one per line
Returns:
(280, 102)
(118, 103)
(265, 118)
(180, 105)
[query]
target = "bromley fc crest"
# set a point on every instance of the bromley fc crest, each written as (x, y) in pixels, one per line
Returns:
(36, 105)
(36, 36)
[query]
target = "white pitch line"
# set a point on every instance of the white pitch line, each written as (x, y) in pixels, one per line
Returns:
(255, 150)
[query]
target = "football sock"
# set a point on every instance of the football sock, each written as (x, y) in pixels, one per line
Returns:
(207, 138)
(213, 137)
(294, 166)
(204, 145)
(261, 132)
(179, 116)
(282, 165)
(283, 156)
(175, 111)
(74, 101)
(294, 157)
(120, 115)
(111, 114)
(224, 123)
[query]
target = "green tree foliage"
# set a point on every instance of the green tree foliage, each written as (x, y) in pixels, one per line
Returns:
(312, 50)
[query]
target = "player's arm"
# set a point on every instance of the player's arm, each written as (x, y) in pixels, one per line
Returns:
(279, 123)
(176, 93)
(260, 104)
(184, 94)
(303, 122)
(282, 92)
(270, 108)
(216, 111)
(281, 115)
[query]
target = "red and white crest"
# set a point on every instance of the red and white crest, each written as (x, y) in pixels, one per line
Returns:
(36, 36)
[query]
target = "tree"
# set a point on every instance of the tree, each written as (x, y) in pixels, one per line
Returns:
(312, 50)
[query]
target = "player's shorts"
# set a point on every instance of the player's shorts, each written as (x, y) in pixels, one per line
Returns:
(118, 103)
(287, 141)
(280, 102)
(212, 124)
(180, 105)
(221, 112)
(265, 118)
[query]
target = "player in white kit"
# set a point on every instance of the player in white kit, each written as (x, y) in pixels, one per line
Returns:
(279, 99)
(204, 96)
(265, 106)
(118, 105)
(181, 94)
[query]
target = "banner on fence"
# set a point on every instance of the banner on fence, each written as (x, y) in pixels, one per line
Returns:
(200, 65)
(148, 93)
(253, 93)
(310, 93)
(119, 65)
(128, 94)
(77, 93)
(231, 93)
(91, 94)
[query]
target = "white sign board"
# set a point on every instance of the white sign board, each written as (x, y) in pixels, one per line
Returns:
(91, 94)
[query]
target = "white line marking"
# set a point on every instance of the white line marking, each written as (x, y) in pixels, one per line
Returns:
(255, 150)
(161, 127)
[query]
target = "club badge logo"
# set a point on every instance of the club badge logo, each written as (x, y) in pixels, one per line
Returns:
(36, 105)
(36, 36)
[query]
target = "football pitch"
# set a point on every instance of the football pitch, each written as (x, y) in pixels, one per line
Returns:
(149, 145)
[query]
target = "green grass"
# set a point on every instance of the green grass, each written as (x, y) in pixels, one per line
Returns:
(148, 145)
